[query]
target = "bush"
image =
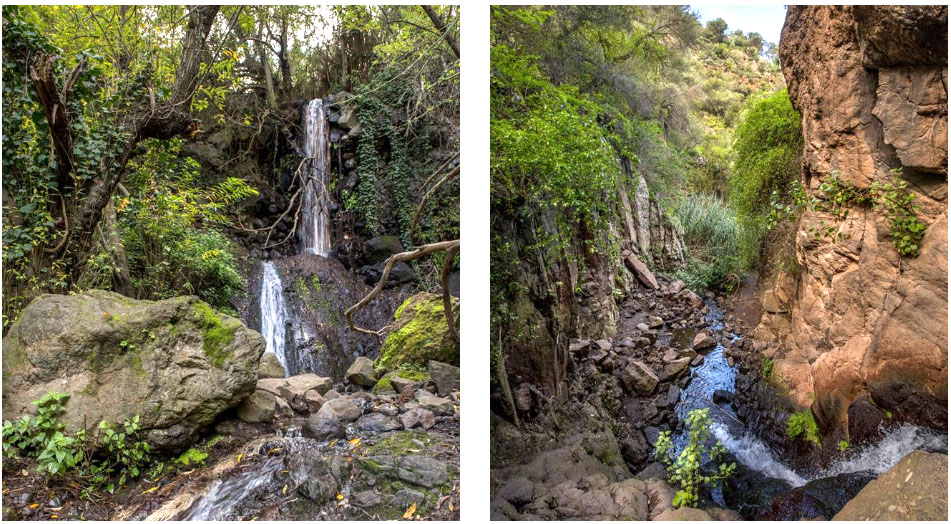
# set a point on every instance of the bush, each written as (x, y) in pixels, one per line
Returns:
(711, 232)
(768, 143)
(686, 469)
(803, 423)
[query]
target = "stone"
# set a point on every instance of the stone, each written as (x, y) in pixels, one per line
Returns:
(674, 368)
(642, 327)
(691, 514)
(405, 498)
(655, 321)
(320, 489)
(420, 334)
(914, 489)
(638, 377)
(400, 384)
(323, 425)
(866, 422)
(422, 470)
(111, 354)
(418, 417)
(332, 394)
(379, 249)
(257, 408)
(348, 120)
(722, 396)
(295, 387)
(361, 372)
(366, 499)
(312, 401)
(641, 271)
(401, 273)
(702, 341)
(346, 409)
(603, 344)
(270, 366)
(518, 491)
(438, 405)
(676, 287)
(692, 299)
(446, 377)
(377, 423)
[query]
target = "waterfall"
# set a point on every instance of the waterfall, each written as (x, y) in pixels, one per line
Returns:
(273, 312)
(314, 229)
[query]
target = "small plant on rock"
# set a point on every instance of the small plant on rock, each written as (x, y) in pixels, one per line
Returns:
(686, 469)
(803, 423)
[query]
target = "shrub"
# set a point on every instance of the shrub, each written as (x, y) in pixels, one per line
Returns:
(803, 423)
(711, 233)
(686, 469)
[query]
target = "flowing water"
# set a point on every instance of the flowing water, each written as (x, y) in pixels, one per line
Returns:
(273, 312)
(314, 230)
(715, 373)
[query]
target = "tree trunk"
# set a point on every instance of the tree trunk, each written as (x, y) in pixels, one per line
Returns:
(121, 280)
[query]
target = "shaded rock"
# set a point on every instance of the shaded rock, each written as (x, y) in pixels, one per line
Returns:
(438, 405)
(676, 367)
(703, 340)
(446, 377)
(312, 401)
(639, 377)
(346, 409)
(259, 407)
(405, 498)
(518, 491)
(320, 489)
(361, 372)
(722, 396)
(422, 471)
(418, 417)
(270, 366)
(377, 422)
(323, 425)
(112, 353)
(641, 271)
(380, 248)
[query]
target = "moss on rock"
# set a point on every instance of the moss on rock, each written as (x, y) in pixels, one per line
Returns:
(216, 335)
(420, 334)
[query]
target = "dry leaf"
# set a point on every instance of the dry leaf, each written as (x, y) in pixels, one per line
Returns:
(34, 505)
(284, 491)
(240, 456)
(339, 496)
(355, 442)
(273, 451)
(150, 490)
(410, 511)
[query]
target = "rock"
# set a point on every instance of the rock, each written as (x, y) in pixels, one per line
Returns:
(346, 409)
(422, 471)
(420, 334)
(703, 340)
(603, 344)
(379, 249)
(446, 377)
(405, 498)
(332, 394)
(642, 327)
(418, 417)
(914, 489)
(366, 499)
(673, 395)
(639, 377)
(348, 120)
(257, 408)
(674, 368)
(361, 372)
(635, 448)
(692, 299)
(401, 273)
(297, 385)
(270, 366)
(865, 422)
(439, 406)
(692, 514)
(655, 321)
(320, 489)
(722, 396)
(641, 271)
(377, 422)
(400, 384)
(323, 425)
(518, 491)
(313, 401)
(112, 354)
(676, 287)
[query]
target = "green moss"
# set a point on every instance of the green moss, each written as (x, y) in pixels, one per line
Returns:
(216, 334)
(420, 335)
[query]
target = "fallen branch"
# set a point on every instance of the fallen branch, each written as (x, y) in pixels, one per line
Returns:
(405, 256)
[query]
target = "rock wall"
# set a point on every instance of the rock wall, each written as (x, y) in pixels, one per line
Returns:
(863, 323)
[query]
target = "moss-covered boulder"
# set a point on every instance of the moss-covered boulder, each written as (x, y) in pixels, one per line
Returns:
(420, 334)
(175, 363)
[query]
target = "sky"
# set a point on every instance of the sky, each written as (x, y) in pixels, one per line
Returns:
(767, 20)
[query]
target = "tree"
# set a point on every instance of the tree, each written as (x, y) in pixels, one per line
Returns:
(716, 30)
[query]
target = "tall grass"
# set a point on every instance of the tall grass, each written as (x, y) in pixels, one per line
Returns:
(713, 235)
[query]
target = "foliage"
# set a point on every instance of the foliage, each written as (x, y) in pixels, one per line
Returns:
(192, 457)
(767, 143)
(712, 234)
(892, 198)
(803, 423)
(686, 470)
(126, 454)
(767, 370)
(843, 446)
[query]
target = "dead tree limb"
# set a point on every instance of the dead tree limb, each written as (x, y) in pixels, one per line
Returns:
(446, 300)
(405, 256)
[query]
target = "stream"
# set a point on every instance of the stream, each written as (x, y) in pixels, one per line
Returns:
(754, 456)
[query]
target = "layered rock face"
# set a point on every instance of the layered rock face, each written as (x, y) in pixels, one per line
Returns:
(175, 363)
(862, 322)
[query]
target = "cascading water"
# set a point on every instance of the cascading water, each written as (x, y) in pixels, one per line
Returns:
(314, 230)
(715, 373)
(273, 312)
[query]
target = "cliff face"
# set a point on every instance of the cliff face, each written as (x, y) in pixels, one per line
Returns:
(863, 323)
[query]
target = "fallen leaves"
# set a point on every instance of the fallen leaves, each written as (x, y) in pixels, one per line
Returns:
(410, 511)
(150, 490)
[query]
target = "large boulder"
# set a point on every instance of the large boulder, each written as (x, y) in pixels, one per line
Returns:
(175, 363)
(638, 377)
(378, 249)
(361, 372)
(914, 489)
(420, 334)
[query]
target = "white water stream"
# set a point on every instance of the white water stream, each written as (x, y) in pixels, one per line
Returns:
(273, 312)
(314, 229)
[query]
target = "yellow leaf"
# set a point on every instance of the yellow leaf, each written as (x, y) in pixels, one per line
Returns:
(284, 491)
(240, 455)
(409, 511)
(150, 490)
(339, 496)
(273, 451)
(355, 442)
(34, 505)
(54, 516)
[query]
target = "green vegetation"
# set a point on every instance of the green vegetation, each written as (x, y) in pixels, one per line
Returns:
(216, 334)
(420, 334)
(192, 457)
(107, 460)
(843, 446)
(686, 470)
(803, 423)
(712, 233)
(767, 370)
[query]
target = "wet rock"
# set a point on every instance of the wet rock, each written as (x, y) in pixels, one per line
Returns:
(722, 396)
(518, 491)
(257, 408)
(446, 377)
(438, 405)
(361, 372)
(380, 248)
(914, 489)
(418, 417)
(320, 489)
(818, 499)
(422, 471)
(639, 377)
(377, 422)
(865, 422)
